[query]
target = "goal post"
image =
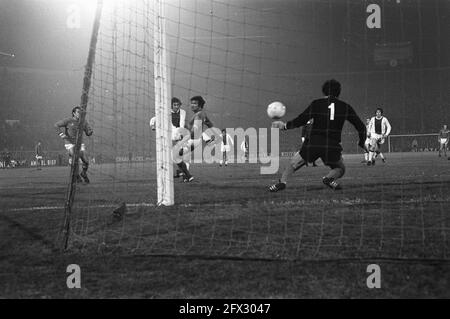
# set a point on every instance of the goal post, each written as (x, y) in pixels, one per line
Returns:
(70, 195)
(162, 110)
(404, 142)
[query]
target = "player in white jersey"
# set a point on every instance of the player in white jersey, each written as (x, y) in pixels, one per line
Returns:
(225, 146)
(443, 138)
(367, 143)
(178, 118)
(379, 129)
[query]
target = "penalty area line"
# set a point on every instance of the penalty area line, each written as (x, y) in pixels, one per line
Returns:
(44, 208)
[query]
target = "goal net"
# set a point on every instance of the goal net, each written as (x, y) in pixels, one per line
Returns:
(240, 56)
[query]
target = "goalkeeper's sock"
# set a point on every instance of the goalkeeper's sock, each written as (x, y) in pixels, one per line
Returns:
(288, 172)
(184, 169)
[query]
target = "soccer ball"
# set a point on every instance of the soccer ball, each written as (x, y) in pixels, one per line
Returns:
(276, 110)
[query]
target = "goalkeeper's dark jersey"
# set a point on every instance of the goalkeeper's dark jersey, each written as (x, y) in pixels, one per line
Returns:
(329, 116)
(69, 127)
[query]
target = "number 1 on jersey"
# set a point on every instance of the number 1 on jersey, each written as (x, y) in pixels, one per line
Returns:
(331, 107)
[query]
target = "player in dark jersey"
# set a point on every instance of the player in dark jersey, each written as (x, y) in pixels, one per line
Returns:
(67, 129)
(196, 126)
(444, 135)
(329, 115)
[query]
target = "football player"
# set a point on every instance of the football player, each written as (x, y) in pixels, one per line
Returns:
(196, 126)
(329, 115)
(379, 129)
(67, 129)
(225, 146)
(444, 134)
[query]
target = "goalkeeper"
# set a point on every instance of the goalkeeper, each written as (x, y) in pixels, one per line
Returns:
(67, 129)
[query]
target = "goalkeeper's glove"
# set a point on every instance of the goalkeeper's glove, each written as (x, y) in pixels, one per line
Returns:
(62, 135)
(279, 124)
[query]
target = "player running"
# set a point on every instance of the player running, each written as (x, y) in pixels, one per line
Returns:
(196, 125)
(379, 129)
(444, 135)
(67, 129)
(329, 115)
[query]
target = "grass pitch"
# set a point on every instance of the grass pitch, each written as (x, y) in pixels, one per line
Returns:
(227, 236)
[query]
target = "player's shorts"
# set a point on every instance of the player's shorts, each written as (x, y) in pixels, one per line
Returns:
(318, 147)
(225, 148)
(38, 157)
(380, 139)
(372, 144)
(443, 140)
(71, 146)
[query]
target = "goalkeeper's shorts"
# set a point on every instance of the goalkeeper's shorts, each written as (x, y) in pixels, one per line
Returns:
(71, 146)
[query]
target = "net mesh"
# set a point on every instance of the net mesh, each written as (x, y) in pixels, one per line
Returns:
(240, 56)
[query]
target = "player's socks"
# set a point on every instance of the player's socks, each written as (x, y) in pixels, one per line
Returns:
(331, 183)
(85, 177)
(183, 168)
(178, 173)
(188, 179)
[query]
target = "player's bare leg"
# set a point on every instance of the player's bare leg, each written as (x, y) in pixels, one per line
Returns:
(184, 166)
(336, 172)
(366, 157)
(39, 164)
(382, 156)
(443, 148)
(295, 164)
(224, 159)
(85, 166)
(71, 154)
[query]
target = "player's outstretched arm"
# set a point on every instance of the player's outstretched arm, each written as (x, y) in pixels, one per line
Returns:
(354, 119)
(300, 120)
